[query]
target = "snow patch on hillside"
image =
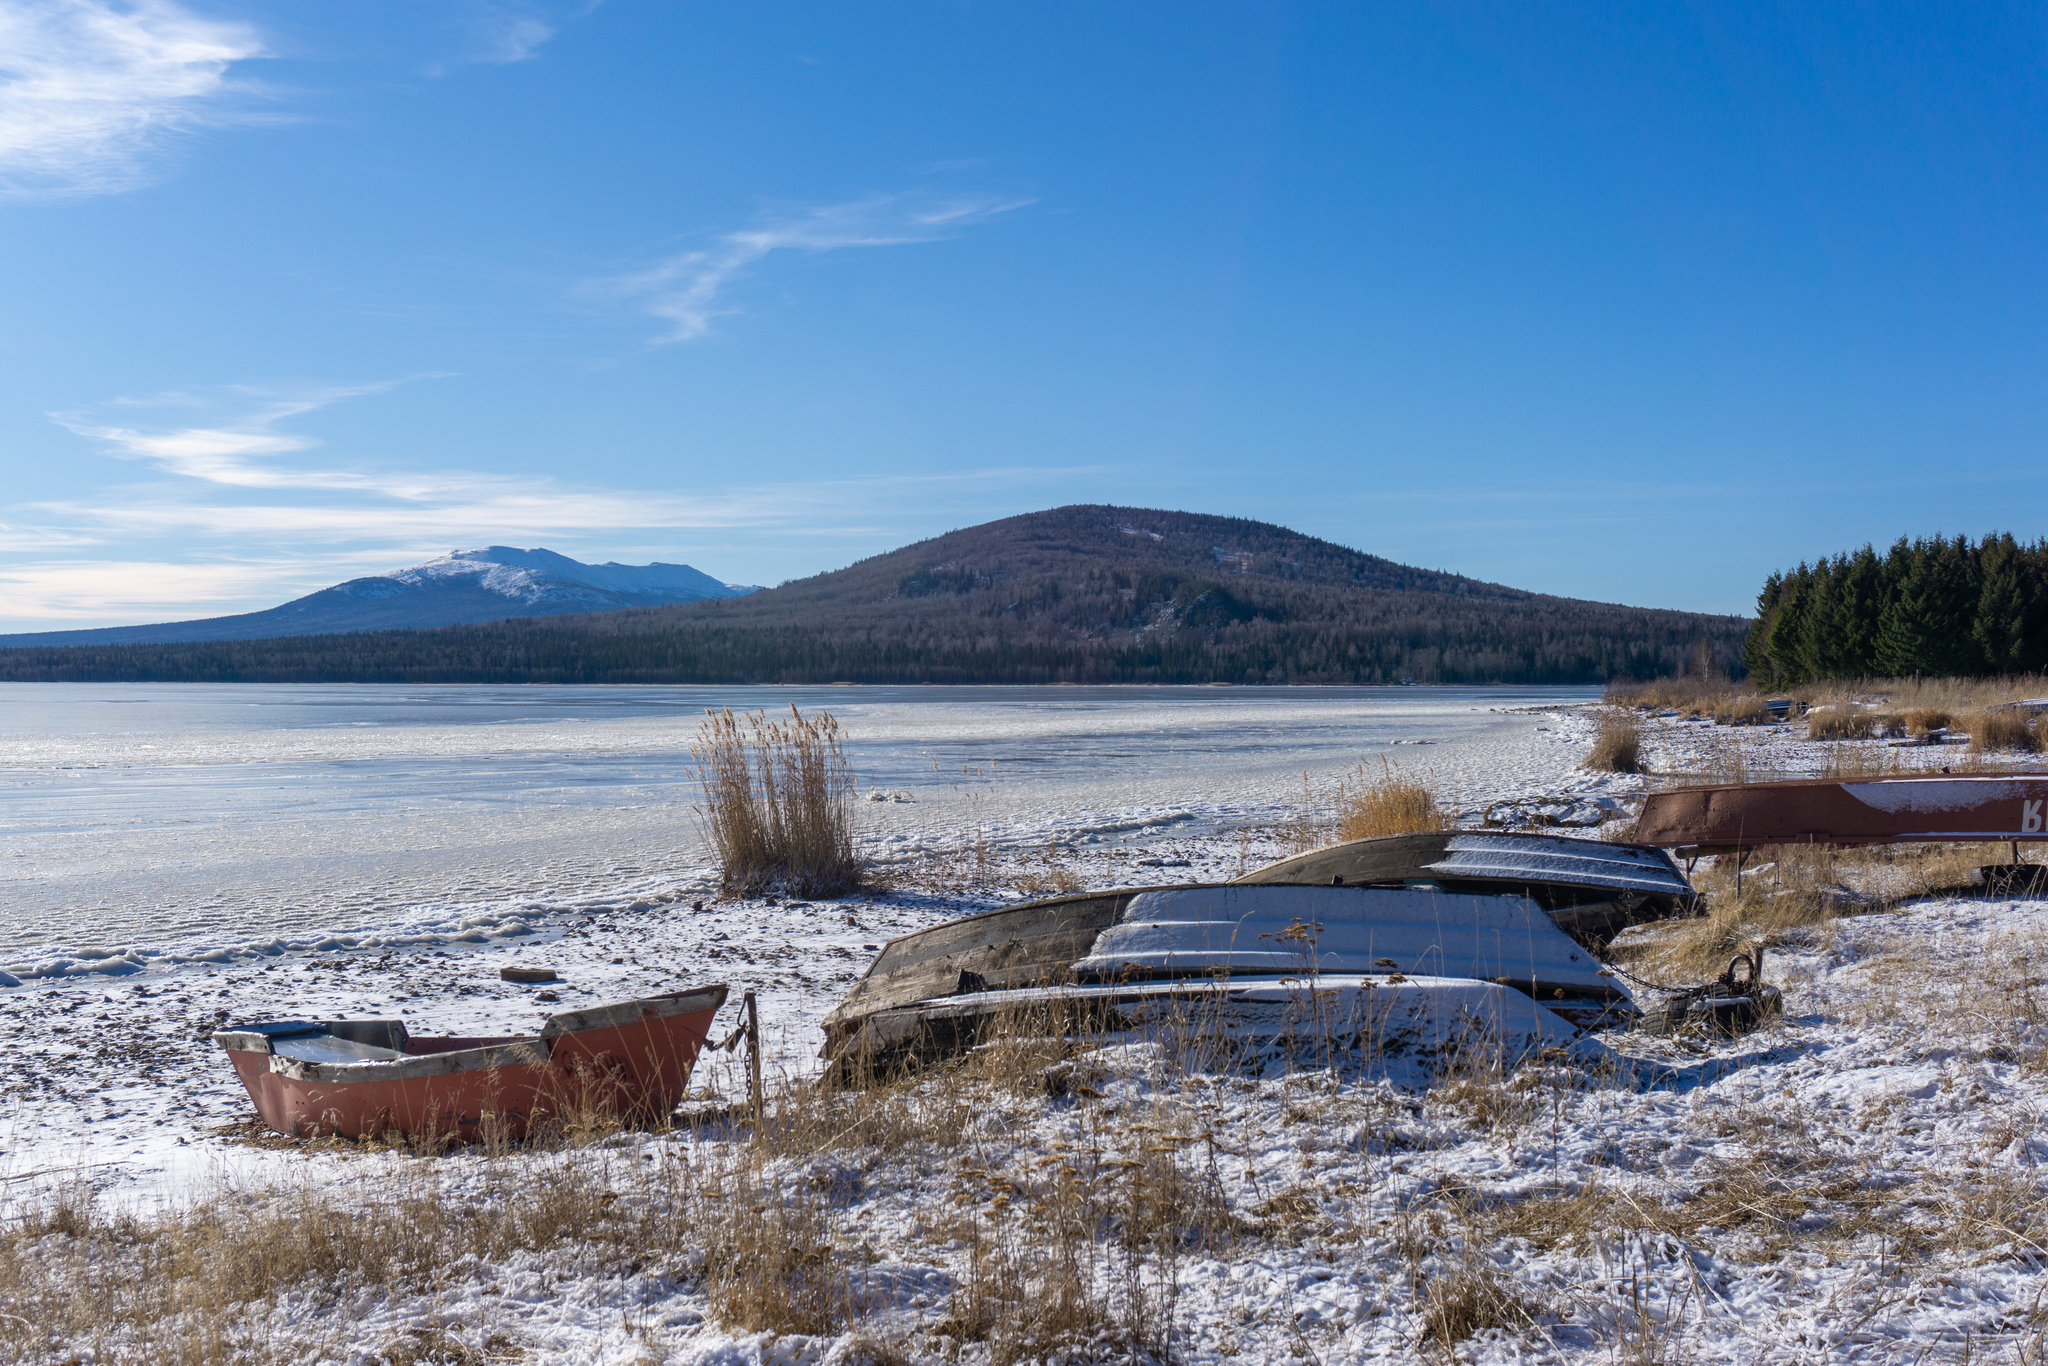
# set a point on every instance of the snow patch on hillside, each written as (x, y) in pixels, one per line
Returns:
(541, 575)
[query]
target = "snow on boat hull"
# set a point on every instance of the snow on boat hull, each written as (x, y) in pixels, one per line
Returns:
(1591, 889)
(1245, 937)
(1734, 817)
(1283, 930)
(362, 1078)
(1423, 1023)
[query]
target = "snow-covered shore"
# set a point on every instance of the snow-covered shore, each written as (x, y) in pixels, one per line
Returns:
(1859, 1182)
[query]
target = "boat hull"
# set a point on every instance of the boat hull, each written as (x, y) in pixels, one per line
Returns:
(1417, 1023)
(1294, 930)
(625, 1062)
(1730, 818)
(1590, 889)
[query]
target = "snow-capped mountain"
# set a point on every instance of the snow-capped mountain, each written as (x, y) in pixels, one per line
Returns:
(542, 576)
(490, 584)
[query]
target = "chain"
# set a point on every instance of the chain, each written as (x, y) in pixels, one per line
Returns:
(1619, 971)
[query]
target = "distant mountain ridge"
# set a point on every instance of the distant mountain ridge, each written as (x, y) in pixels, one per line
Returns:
(464, 586)
(1082, 594)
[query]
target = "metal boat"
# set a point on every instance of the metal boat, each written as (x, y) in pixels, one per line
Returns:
(1734, 817)
(364, 1078)
(1532, 913)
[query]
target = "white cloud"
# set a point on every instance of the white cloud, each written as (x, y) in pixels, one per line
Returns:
(90, 90)
(685, 289)
(221, 454)
(64, 592)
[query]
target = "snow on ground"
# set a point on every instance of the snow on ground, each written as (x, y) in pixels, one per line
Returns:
(1857, 1182)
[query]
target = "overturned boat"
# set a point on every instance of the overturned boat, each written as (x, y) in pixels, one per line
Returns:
(1737, 817)
(627, 1061)
(1481, 932)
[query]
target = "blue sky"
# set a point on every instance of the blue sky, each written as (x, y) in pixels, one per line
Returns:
(1634, 303)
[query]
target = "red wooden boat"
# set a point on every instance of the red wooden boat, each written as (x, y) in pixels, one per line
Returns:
(361, 1078)
(1914, 810)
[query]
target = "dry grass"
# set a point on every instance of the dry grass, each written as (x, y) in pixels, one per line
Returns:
(1049, 878)
(1466, 1295)
(1839, 723)
(1386, 803)
(778, 802)
(1925, 721)
(1956, 696)
(1787, 889)
(1911, 698)
(1619, 746)
(1361, 804)
(1064, 1240)
(1741, 709)
(1848, 761)
(1690, 696)
(203, 1285)
(2008, 731)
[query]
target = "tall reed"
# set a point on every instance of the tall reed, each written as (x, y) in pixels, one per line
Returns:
(1386, 803)
(2003, 729)
(778, 802)
(1619, 746)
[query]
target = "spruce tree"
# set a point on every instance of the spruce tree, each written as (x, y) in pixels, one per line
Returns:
(1788, 627)
(1756, 646)
(1822, 628)
(1903, 621)
(1955, 587)
(1859, 582)
(2004, 628)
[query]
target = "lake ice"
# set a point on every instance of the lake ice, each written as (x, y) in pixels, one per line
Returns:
(199, 818)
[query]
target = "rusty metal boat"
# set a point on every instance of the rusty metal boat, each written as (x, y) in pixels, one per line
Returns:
(1737, 817)
(628, 1060)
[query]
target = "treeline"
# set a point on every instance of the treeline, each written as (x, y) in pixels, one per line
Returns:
(1946, 608)
(554, 650)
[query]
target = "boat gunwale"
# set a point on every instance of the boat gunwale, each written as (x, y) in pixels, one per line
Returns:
(532, 1050)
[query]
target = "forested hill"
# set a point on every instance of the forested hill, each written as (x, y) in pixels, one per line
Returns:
(1084, 594)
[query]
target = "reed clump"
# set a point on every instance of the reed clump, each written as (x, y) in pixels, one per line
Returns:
(1839, 723)
(1926, 720)
(2005, 730)
(1741, 709)
(1386, 803)
(778, 802)
(1619, 746)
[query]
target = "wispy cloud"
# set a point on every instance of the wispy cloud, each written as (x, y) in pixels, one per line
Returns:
(504, 31)
(685, 290)
(226, 454)
(90, 91)
(244, 451)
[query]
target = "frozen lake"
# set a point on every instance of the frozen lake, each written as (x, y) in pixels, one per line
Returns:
(194, 817)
